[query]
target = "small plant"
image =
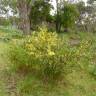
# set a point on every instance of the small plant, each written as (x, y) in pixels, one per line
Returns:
(18, 58)
(40, 52)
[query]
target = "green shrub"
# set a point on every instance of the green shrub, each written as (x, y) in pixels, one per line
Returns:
(47, 54)
(40, 52)
(18, 57)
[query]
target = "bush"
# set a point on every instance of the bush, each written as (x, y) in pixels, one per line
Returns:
(44, 48)
(18, 58)
(40, 52)
(48, 55)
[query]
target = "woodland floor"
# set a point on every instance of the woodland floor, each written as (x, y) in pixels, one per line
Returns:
(79, 82)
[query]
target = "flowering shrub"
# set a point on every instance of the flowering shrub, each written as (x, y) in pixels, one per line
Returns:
(40, 52)
(43, 47)
(47, 54)
(44, 43)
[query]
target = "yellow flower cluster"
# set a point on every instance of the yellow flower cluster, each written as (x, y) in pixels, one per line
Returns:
(43, 43)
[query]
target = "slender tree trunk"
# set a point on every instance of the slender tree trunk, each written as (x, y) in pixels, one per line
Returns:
(58, 17)
(24, 24)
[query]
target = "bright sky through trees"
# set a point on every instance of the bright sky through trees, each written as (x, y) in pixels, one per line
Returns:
(54, 4)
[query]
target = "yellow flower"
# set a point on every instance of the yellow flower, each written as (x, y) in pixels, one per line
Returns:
(51, 53)
(31, 53)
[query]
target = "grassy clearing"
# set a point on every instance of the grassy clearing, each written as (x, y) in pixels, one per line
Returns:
(79, 82)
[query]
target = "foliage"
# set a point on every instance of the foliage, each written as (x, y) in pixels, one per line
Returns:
(18, 57)
(8, 33)
(4, 22)
(79, 65)
(39, 52)
(66, 16)
(69, 15)
(40, 12)
(47, 54)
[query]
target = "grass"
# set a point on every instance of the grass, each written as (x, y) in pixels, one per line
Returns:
(79, 82)
(3, 63)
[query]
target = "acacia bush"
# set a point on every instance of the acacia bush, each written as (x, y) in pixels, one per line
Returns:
(40, 52)
(45, 53)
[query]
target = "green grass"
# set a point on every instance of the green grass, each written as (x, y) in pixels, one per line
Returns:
(3, 66)
(79, 82)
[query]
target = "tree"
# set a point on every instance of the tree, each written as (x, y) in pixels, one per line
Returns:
(82, 15)
(6, 5)
(91, 1)
(69, 16)
(23, 8)
(40, 12)
(66, 14)
(24, 11)
(58, 15)
(87, 17)
(29, 12)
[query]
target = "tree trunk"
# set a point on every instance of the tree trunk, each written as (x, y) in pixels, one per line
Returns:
(24, 24)
(58, 17)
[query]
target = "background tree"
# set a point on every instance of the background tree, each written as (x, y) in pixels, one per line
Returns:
(58, 14)
(30, 12)
(86, 21)
(66, 15)
(22, 8)
(69, 16)
(40, 12)
(24, 11)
